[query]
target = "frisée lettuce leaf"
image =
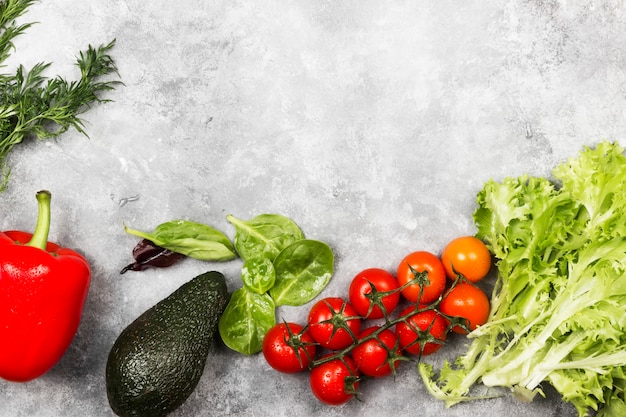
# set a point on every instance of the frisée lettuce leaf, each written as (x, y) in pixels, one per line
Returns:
(558, 308)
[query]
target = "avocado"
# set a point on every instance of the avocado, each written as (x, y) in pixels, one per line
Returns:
(157, 361)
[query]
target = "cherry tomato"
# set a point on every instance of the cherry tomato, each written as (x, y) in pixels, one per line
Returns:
(430, 273)
(361, 288)
(371, 356)
(420, 327)
(329, 320)
(467, 256)
(335, 382)
(281, 343)
(467, 301)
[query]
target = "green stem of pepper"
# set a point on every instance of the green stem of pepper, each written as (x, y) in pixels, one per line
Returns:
(40, 236)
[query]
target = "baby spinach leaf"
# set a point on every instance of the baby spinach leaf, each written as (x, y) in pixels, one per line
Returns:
(193, 239)
(245, 321)
(258, 275)
(264, 236)
(302, 271)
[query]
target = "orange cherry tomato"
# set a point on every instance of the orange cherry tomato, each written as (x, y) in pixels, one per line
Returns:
(467, 301)
(467, 256)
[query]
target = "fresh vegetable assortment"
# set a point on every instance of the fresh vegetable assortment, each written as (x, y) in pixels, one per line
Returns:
(558, 308)
(348, 339)
(280, 267)
(556, 315)
(343, 340)
(43, 288)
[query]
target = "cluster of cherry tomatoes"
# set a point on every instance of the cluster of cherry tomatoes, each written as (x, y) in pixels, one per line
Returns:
(363, 335)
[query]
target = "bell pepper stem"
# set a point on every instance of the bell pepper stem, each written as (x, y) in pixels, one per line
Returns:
(40, 235)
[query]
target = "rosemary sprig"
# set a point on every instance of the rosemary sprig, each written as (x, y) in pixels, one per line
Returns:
(33, 105)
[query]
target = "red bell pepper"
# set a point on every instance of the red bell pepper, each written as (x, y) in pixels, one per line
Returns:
(43, 288)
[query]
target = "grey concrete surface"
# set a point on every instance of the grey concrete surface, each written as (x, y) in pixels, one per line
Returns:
(372, 124)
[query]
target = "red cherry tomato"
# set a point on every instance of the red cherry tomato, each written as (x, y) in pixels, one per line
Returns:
(419, 328)
(371, 357)
(335, 382)
(467, 301)
(429, 271)
(467, 256)
(334, 323)
(281, 343)
(361, 290)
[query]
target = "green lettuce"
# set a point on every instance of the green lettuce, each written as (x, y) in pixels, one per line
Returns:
(558, 308)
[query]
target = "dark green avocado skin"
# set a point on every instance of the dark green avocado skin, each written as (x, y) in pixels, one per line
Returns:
(157, 361)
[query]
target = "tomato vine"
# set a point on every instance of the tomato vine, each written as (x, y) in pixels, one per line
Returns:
(417, 330)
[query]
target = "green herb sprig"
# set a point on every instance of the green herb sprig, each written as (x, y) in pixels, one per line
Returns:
(33, 105)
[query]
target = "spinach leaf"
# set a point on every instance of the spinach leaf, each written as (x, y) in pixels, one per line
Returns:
(264, 236)
(245, 321)
(302, 271)
(193, 239)
(258, 275)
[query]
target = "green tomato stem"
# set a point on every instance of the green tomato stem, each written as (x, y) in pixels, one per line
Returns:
(40, 236)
